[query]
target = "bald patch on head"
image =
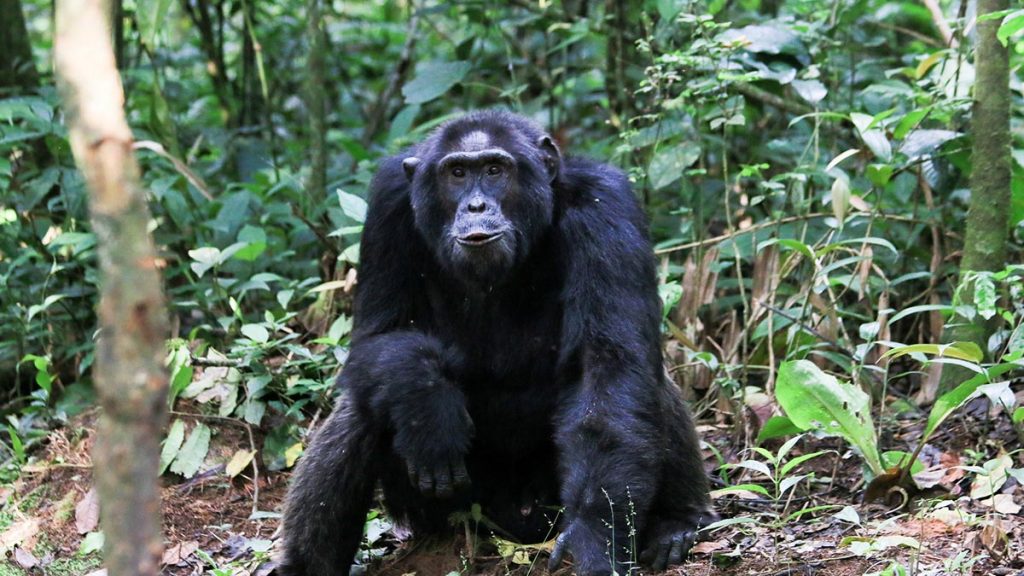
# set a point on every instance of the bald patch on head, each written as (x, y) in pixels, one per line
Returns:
(475, 141)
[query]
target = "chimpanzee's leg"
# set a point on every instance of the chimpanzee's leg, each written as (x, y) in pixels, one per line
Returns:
(682, 505)
(609, 445)
(330, 496)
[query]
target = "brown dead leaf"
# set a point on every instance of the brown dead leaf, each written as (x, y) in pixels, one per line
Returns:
(709, 546)
(24, 558)
(994, 539)
(954, 469)
(21, 533)
(177, 553)
(87, 512)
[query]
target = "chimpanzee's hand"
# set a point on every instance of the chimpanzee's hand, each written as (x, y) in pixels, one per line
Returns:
(434, 443)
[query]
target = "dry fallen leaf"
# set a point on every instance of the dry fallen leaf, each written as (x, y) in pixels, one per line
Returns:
(1002, 503)
(177, 553)
(995, 540)
(24, 558)
(709, 547)
(21, 533)
(87, 512)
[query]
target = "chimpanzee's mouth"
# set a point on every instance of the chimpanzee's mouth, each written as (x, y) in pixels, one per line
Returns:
(479, 238)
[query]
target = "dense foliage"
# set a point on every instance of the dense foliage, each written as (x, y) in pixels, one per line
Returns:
(805, 166)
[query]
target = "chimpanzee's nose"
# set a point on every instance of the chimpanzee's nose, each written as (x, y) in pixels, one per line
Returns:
(476, 205)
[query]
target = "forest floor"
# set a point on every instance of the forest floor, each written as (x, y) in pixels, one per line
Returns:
(49, 521)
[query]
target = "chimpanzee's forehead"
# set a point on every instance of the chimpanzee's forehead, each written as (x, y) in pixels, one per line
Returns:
(474, 138)
(475, 141)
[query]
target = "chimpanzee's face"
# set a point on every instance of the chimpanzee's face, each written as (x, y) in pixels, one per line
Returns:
(481, 202)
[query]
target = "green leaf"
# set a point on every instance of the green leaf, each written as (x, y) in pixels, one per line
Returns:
(945, 308)
(205, 258)
(670, 294)
(1013, 23)
(434, 79)
(180, 362)
(353, 206)
(92, 542)
(789, 466)
(957, 397)
(773, 38)
(401, 125)
(909, 122)
(813, 91)
(255, 240)
(740, 488)
(777, 427)
(840, 197)
(173, 442)
(192, 454)
(985, 296)
(839, 159)
(814, 400)
(150, 15)
(256, 332)
(350, 254)
(968, 351)
(874, 138)
(1018, 415)
(669, 164)
(790, 244)
(898, 458)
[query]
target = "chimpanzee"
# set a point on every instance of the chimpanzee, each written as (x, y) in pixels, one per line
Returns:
(506, 352)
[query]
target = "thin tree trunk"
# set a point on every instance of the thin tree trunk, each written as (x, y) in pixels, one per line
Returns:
(985, 244)
(316, 104)
(17, 70)
(129, 371)
(987, 219)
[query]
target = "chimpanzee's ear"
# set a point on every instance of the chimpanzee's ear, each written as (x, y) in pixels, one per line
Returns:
(409, 165)
(552, 157)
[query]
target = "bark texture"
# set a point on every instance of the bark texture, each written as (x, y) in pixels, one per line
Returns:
(129, 371)
(985, 244)
(987, 220)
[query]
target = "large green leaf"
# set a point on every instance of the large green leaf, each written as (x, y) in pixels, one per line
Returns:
(668, 164)
(873, 137)
(814, 400)
(1013, 23)
(957, 397)
(192, 454)
(353, 206)
(434, 79)
(150, 15)
(172, 444)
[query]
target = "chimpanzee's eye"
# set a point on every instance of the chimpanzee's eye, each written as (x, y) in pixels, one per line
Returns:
(458, 172)
(493, 170)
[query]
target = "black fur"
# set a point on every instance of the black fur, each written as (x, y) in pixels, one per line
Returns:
(523, 376)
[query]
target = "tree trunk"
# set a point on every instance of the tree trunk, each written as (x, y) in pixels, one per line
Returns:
(17, 70)
(129, 371)
(987, 219)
